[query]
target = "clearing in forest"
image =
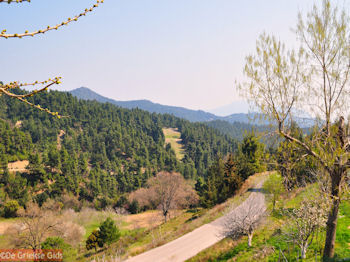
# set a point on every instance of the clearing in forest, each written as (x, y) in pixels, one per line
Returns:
(173, 137)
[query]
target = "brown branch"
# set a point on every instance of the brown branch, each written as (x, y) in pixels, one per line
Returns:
(303, 145)
(49, 28)
(13, 1)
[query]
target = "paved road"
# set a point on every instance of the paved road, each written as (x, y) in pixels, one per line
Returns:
(199, 239)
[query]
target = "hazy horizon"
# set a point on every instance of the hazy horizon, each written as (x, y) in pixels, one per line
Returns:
(186, 54)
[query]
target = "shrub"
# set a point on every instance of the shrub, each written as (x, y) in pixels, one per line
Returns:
(58, 243)
(109, 233)
(94, 240)
(10, 208)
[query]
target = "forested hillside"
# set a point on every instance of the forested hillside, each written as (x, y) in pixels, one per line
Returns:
(96, 151)
(236, 129)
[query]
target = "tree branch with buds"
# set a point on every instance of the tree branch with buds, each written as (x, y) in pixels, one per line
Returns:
(7, 89)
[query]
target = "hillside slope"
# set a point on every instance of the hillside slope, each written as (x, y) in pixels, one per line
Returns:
(106, 150)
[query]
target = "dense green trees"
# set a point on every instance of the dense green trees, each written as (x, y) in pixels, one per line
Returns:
(97, 152)
(10, 208)
(250, 157)
(226, 174)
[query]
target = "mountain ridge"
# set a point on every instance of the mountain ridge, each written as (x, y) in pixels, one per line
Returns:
(181, 112)
(188, 114)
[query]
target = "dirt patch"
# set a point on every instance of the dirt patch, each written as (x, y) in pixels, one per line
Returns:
(144, 220)
(18, 124)
(4, 225)
(148, 219)
(59, 138)
(18, 166)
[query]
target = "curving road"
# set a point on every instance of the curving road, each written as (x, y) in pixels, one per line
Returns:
(201, 238)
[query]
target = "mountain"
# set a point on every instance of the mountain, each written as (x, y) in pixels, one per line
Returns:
(188, 114)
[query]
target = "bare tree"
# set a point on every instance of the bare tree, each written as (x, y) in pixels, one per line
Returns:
(37, 224)
(315, 79)
(7, 89)
(306, 221)
(166, 191)
(243, 221)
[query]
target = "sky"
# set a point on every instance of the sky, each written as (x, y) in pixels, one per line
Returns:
(185, 53)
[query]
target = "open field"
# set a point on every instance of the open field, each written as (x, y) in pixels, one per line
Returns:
(173, 136)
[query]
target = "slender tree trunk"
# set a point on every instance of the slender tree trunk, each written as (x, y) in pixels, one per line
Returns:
(304, 250)
(333, 214)
(165, 214)
(250, 238)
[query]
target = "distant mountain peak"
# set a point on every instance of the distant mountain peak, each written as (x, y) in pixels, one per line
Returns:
(191, 115)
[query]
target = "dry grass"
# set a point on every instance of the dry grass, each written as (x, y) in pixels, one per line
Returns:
(173, 136)
(4, 225)
(18, 166)
(147, 220)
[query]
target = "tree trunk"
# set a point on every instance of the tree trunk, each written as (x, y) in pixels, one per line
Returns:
(165, 214)
(250, 238)
(333, 214)
(303, 251)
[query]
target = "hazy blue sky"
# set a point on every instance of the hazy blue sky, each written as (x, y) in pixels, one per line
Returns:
(175, 52)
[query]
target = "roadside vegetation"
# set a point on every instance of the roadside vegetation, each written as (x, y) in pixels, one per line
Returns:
(272, 240)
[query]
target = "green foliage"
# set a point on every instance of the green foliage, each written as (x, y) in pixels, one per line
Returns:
(236, 130)
(93, 241)
(292, 163)
(274, 186)
(69, 253)
(221, 182)
(134, 207)
(15, 186)
(108, 232)
(15, 144)
(250, 156)
(10, 208)
(122, 147)
(343, 232)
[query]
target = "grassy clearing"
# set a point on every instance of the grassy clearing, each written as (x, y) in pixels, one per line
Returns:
(342, 247)
(173, 136)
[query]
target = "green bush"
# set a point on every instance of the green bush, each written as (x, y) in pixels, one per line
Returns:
(69, 253)
(94, 240)
(10, 208)
(109, 233)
